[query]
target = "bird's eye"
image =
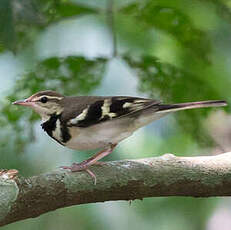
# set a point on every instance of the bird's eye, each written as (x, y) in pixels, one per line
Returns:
(44, 99)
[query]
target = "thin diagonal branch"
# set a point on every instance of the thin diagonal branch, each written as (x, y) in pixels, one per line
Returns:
(167, 175)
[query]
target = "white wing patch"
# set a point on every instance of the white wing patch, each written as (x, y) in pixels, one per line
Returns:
(140, 101)
(127, 105)
(80, 117)
(106, 109)
(137, 104)
(49, 97)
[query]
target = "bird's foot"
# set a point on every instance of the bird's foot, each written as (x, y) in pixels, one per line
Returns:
(77, 167)
(84, 165)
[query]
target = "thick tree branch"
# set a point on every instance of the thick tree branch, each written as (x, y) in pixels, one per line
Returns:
(168, 175)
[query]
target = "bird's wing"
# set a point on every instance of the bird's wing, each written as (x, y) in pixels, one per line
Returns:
(101, 109)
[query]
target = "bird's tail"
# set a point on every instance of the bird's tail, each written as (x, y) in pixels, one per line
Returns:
(155, 112)
(190, 105)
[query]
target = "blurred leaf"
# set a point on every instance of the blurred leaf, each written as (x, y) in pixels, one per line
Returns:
(55, 10)
(165, 15)
(7, 33)
(133, 39)
(23, 19)
(18, 17)
(103, 4)
(71, 75)
(223, 8)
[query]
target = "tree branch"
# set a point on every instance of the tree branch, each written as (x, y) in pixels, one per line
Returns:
(168, 175)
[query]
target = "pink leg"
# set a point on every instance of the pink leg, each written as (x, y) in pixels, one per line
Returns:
(76, 167)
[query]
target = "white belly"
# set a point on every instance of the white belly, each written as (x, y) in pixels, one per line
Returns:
(95, 137)
(106, 133)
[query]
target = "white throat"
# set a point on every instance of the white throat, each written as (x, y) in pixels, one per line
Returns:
(44, 117)
(45, 113)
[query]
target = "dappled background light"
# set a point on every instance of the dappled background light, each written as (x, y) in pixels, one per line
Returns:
(174, 51)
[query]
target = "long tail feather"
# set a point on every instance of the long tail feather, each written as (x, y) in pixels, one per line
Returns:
(190, 105)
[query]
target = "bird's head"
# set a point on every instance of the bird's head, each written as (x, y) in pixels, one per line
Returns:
(45, 103)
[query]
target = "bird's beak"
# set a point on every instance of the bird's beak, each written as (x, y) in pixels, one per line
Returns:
(26, 102)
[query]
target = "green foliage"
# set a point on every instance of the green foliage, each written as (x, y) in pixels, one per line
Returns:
(57, 10)
(69, 76)
(170, 18)
(24, 19)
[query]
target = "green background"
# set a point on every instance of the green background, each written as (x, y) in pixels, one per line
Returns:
(174, 51)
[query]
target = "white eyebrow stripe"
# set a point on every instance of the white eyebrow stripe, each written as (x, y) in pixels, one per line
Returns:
(49, 97)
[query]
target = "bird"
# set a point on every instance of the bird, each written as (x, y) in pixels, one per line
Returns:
(98, 122)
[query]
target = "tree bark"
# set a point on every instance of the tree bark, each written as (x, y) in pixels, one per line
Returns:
(168, 175)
